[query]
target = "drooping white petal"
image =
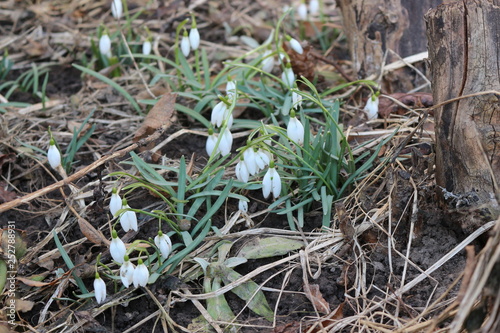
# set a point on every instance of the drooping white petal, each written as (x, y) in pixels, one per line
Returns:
(230, 88)
(185, 45)
(295, 131)
(115, 203)
(194, 38)
(164, 243)
(262, 159)
(146, 47)
(218, 114)
(288, 76)
(226, 142)
(241, 172)
(54, 156)
(371, 108)
(296, 46)
(99, 289)
(302, 11)
(276, 184)
(128, 220)
(210, 145)
(271, 183)
(117, 249)
(117, 9)
(243, 206)
(314, 7)
(267, 63)
(141, 275)
(127, 273)
(250, 161)
(105, 45)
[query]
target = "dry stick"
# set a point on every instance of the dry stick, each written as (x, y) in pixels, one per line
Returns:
(28, 197)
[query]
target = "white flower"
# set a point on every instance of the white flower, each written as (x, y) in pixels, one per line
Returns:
(226, 142)
(218, 114)
(194, 38)
(127, 272)
(296, 46)
(267, 63)
(185, 45)
(53, 155)
(117, 248)
(117, 9)
(211, 142)
(128, 219)
(146, 47)
(288, 76)
(262, 159)
(105, 45)
(296, 100)
(115, 203)
(271, 183)
(371, 108)
(314, 7)
(230, 88)
(99, 289)
(302, 11)
(241, 172)
(163, 242)
(295, 130)
(250, 161)
(141, 274)
(243, 206)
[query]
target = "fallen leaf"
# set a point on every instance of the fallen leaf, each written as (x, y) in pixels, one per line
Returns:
(24, 305)
(415, 100)
(32, 283)
(92, 234)
(316, 298)
(266, 247)
(6, 196)
(160, 115)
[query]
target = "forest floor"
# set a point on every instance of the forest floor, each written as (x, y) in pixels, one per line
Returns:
(391, 257)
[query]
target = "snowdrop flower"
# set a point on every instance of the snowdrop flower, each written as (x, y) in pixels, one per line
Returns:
(141, 274)
(371, 107)
(117, 9)
(288, 76)
(295, 45)
(295, 129)
(194, 38)
(99, 289)
(219, 113)
(241, 171)
(211, 142)
(53, 155)
(267, 63)
(296, 100)
(262, 159)
(117, 248)
(105, 45)
(314, 7)
(243, 206)
(163, 242)
(127, 272)
(146, 47)
(271, 182)
(302, 11)
(128, 219)
(230, 89)
(250, 161)
(115, 203)
(226, 142)
(185, 45)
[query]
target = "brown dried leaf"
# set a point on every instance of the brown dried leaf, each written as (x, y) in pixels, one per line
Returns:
(159, 116)
(92, 234)
(303, 64)
(314, 295)
(23, 305)
(32, 283)
(415, 100)
(6, 196)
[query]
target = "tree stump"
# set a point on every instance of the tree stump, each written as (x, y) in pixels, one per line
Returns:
(373, 27)
(464, 54)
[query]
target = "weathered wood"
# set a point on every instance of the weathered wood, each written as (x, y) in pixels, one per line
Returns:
(464, 54)
(373, 27)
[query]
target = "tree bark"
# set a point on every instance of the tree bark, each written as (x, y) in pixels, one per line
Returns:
(464, 54)
(375, 26)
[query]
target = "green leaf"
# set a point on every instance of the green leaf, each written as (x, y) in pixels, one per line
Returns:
(258, 247)
(69, 263)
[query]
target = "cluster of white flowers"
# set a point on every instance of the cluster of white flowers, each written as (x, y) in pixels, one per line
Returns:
(190, 41)
(302, 9)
